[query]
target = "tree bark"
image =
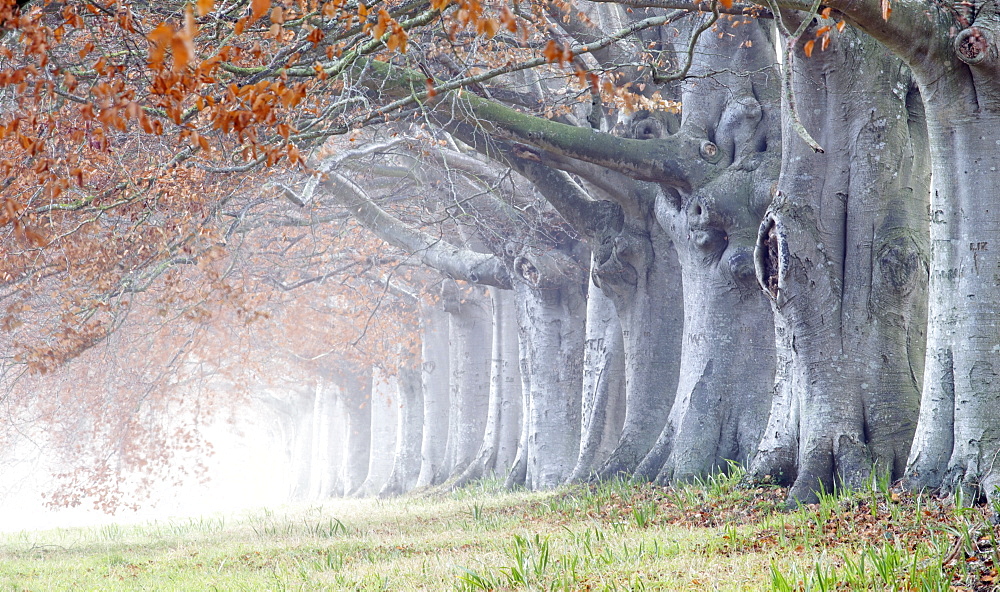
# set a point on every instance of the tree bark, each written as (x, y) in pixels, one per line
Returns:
(357, 390)
(324, 464)
(551, 309)
(842, 254)
(635, 265)
(958, 436)
(384, 413)
(499, 444)
(434, 375)
(470, 333)
(640, 272)
(409, 429)
(509, 383)
(726, 360)
(603, 406)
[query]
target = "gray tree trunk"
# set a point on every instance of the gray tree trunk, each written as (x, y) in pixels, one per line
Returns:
(434, 384)
(508, 377)
(603, 404)
(470, 335)
(842, 252)
(335, 445)
(635, 266)
(711, 181)
(726, 360)
(518, 474)
(384, 413)
(500, 438)
(357, 391)
(958, 437)
(409, 429)
(324, 464)
(639, 271)
(551, 309)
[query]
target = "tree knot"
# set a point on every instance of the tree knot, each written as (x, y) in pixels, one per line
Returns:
(975, 45)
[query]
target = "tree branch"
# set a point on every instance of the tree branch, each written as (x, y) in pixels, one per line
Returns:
(455, 262)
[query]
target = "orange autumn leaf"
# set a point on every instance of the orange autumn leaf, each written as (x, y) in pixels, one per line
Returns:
(258, 8)
(398, 40)
(182, 42)
(808, 48)
(205, 7)
(886, 9)
(278, 15)
(159, 38)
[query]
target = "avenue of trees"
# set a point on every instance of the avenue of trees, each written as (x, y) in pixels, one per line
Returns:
(547, 241)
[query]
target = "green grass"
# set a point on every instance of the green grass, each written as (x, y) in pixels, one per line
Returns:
(711, 535)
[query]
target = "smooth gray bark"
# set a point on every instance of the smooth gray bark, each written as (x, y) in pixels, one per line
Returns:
(603, 404)
(642, 278)
(470, 336)
(952, 51)
(357, 390)
(324, 461)
(842, 252)
(499, 446)
(635, 265)
(508, 380)
(409, 429)
(551, 313)
(434, 382)
(384, 413)
(726, 361)
(334, 485)
(958, 436)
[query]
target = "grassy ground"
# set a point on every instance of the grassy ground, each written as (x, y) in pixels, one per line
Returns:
(715, 535)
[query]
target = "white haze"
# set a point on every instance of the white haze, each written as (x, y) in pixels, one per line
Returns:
(249, 469)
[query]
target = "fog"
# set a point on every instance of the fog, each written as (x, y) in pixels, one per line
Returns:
(249, 469)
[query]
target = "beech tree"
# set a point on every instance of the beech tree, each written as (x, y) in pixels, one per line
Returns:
(843, 254)
(127, 116)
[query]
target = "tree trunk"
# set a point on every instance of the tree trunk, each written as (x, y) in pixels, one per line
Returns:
(518, 474)
(409, 430)
(384, 411)
(434, 384)
(842, 254)
(500, 438)
(509, 382)
(726, 361)
(958, 436)
(639, 271)
(324, 471)
(335, 469)
(357, 390)
(603, 405)
(470, 333)
(551, 309)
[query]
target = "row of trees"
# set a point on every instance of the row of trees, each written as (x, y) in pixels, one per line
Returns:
(719, 232)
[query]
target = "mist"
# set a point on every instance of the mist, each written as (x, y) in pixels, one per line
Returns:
(249, 469)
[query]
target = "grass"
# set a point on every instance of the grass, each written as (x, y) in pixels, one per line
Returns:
(711, 535)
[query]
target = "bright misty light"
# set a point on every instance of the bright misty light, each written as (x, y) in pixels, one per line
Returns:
(249, 469)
